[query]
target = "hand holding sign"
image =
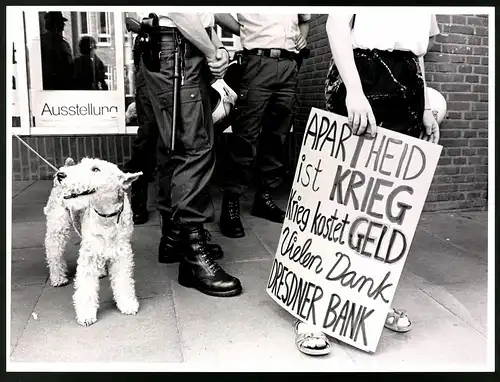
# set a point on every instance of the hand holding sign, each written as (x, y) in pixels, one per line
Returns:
(360, 114)
(431, 125)
(350, 220)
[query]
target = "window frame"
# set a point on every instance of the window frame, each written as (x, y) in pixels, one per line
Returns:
(88, 23)
(108, 34)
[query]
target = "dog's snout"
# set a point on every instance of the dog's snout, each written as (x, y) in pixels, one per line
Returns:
(60, 176)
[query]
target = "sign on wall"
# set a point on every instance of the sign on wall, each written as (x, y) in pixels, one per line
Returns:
(77, 109)
(350, 221)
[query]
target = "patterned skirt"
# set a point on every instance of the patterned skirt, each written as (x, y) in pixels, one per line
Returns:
(392, 83)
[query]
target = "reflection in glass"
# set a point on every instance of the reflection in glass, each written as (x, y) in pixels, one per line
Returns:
(78, 51)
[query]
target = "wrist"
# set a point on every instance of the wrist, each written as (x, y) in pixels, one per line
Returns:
(355, 89)
(211, 56)
(223, 48)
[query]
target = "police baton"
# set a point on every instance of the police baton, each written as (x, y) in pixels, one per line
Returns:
(177, 76)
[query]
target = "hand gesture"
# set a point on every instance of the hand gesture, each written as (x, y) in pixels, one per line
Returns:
(219, 67)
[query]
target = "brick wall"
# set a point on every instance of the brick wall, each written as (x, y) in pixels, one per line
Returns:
(55, 149)
(457, 66)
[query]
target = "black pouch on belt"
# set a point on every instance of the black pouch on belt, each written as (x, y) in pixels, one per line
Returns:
(150, 42)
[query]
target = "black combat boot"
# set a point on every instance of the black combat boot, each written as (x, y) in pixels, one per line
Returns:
(230, 222)
(264, 207)
(170, 250)
(197, 269)
(139, 201)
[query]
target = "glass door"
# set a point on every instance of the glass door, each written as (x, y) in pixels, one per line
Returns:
(75, 62)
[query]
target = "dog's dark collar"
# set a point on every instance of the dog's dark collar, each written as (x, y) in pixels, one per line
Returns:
(116, 213)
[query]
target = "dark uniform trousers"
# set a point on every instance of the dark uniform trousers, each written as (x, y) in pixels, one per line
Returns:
(143, 156)
(183, 174)
(263, 115)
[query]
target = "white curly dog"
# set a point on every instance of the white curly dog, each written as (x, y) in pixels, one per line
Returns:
(91, 196)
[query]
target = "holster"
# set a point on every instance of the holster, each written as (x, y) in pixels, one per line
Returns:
(148, 43)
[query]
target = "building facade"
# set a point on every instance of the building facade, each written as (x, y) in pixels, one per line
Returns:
(457, 66)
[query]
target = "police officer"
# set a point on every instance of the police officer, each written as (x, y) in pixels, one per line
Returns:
(269, 67)
(185, 170)
(143, 158)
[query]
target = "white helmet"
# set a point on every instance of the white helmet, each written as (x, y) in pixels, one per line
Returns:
(438, 104)
(131, 113)
(223, 97)
(225, 100)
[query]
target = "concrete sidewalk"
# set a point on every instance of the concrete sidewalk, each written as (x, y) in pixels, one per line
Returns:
(443, 288)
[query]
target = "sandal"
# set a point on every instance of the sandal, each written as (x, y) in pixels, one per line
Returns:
(301, 338)
(392, 321)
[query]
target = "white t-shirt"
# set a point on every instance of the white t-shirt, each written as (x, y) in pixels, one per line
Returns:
(207, 19)
(396, 30)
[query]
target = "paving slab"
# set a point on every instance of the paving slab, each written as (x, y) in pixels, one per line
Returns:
(441, 263)
(470, 297)
(461, 232)
(23, 301)
(268, 232)
(150, 336)
(478, 216)
(147, 268)
(28, 266)
(28, 234)
(37, 193)
(438, 338)
(27, 213)
(20, 186)
(467, 300)
(146, 235)
(32, 234)
(247, 329)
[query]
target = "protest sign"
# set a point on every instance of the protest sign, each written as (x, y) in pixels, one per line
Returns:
(350, 220)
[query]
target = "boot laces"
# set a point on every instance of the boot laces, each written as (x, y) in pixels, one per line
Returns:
(211, 263)
(233, 209)
(269, 202)
(205, 253)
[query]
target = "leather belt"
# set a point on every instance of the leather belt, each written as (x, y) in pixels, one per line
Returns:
(272, 53)
(173, 30)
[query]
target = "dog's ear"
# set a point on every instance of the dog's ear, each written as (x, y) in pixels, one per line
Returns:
(69, 162)
(129, 178)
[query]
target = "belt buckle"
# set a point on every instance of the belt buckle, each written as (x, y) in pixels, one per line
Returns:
(274, 53)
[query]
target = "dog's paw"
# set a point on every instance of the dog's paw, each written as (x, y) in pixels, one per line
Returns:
(129, 306)
(86, 321)
(59, 281)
